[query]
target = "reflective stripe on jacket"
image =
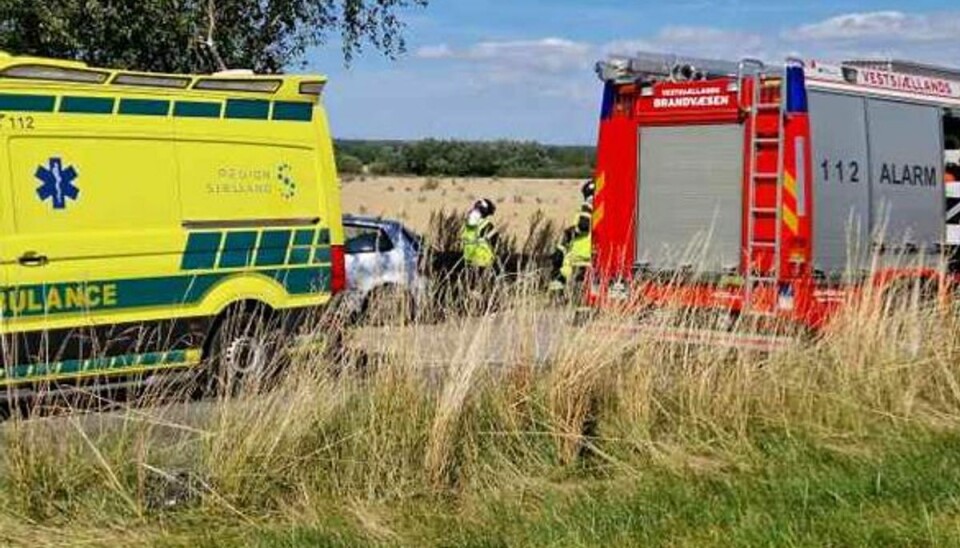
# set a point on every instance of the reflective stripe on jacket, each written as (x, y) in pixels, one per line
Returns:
(578, 250)
(477, 248)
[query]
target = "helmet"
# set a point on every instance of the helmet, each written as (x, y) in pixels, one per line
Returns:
(485, 207)
(588, 189)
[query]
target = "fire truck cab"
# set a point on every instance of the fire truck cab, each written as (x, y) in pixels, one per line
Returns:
(772, 190)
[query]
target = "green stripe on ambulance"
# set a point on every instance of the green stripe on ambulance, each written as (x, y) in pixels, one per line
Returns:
(66, 298)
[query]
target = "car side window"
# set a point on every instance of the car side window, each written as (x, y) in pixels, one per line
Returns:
(363, 239)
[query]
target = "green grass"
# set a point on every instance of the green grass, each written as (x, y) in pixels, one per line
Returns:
(791, 492)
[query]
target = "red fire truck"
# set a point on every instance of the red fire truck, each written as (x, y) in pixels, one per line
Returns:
(772, 190)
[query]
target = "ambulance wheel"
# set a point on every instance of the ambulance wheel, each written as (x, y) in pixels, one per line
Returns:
(242, 353)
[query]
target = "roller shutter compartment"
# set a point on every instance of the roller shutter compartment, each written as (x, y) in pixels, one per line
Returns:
(690, 198)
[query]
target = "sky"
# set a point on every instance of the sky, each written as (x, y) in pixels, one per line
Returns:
(523, 69)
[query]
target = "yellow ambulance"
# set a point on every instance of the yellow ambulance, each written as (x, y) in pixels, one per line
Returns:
(140, 213)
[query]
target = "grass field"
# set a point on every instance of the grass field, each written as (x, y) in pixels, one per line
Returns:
(414, 199)
(609, 438)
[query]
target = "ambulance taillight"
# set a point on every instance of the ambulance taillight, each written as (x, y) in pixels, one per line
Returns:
(338, 278)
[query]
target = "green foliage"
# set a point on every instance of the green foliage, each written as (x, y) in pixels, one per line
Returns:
(349, 165)
(198, 35)
(439, 158)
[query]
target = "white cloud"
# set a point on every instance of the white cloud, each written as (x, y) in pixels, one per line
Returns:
(698, 41)
(706, 36)
(928, 37)
(543, 86)
(550, 54)
(554, 76)
(885, 26)
(439, 51)
(933, 38)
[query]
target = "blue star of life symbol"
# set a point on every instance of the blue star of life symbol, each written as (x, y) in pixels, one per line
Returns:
(57, 183)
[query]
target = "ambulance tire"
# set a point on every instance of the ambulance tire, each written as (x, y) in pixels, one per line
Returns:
(242, 351)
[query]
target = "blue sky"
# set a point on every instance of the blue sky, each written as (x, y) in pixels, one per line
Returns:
(522, 69)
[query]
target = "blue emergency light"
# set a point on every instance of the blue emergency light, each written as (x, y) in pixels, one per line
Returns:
(796, 89)
(609, 96)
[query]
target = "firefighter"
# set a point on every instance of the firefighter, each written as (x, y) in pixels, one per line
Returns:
(479, 237)
(575, 248)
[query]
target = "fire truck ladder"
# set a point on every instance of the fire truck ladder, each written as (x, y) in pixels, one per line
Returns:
(765, 183)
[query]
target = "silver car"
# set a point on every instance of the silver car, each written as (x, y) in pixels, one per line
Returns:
(383, 274)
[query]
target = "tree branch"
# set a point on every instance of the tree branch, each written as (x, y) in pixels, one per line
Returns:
(210, 43)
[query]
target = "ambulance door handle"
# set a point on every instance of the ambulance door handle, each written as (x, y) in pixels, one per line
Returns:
(32, 258)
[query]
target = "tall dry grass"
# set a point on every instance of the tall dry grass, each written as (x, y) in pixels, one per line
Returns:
(507, 394)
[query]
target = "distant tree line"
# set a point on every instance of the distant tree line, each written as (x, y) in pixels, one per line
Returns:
(440, 158)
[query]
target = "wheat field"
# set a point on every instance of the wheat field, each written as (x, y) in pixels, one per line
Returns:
(414, 199)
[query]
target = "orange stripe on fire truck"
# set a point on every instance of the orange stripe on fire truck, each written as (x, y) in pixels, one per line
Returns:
(599, 211)
(790, 203)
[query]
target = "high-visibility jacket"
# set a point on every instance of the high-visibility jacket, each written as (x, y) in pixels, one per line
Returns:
(578, 249)
(477, 244)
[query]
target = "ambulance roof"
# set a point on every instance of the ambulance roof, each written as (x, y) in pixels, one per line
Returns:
(233, 82)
